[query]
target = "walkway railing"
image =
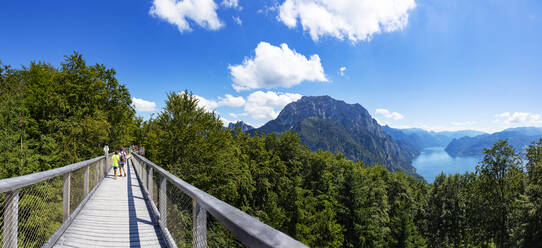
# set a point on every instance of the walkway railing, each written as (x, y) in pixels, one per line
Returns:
(186, 214)
(37, 208)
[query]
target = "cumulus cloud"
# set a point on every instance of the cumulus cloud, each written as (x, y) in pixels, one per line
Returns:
(519, 118)
(232, 101)
(259, 105)
(179, 12)
(342, 70)
(143, 105)
(231, 3)
(267, 105)
(207, 104)
(354, 20)
(237, 20)
(236, 115)
(227, 100)
(274, 67)
(389, 115)
(226, 122)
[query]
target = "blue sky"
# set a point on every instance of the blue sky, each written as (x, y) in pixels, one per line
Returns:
(434, 64)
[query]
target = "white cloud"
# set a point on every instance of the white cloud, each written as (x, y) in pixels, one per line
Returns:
(227, 100)
(352, 19)
(267, 105)
(389, 115)
(178, 12)
(519, 118)
(226, 122)
(235, 115)
(274, 67)
(231, 3)
(208, 105)
(237, 20)
(232, 101)
(342, 70)
(259, 105)
(143, 105)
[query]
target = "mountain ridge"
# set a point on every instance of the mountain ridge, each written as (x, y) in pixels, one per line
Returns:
(474, 146)
(421, 138)
(329, 124)
(244, 126)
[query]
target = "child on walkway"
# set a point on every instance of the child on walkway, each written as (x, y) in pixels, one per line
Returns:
(115, 159)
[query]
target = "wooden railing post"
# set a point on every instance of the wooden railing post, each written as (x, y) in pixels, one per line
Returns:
(66, 197)
(11, 218)
(150, 183)
(86, 183)
(135, 164)
(199, 228)
(163, 199)
(144, 175)
(104, 164)
(106, 152)
(96, 172)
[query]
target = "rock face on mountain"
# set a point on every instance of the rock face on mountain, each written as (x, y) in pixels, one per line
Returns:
(244, 127)
(474, 146)
(328, 124)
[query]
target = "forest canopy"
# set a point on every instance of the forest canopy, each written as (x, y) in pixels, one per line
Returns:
(51, 117)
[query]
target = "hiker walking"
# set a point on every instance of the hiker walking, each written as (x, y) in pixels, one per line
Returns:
(115, 159)
(122, 162)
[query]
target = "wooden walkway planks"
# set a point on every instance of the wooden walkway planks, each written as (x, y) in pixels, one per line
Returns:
(117, 215)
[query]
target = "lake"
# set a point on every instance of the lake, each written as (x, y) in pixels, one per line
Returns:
(432, 161)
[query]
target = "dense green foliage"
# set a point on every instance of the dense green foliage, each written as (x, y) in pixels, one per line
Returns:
(51, 117)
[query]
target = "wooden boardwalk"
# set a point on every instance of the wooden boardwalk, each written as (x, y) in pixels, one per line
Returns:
(117, 215)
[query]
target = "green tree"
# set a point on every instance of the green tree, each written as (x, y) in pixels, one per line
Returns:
(531, 232)
(501, 180)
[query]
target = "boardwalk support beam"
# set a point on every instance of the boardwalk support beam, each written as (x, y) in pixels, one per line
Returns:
(86, 183)
(11, 218)
(150, 184)
(163, 199)
(66, 197)
(199, 228)
(106, 153)
(96, 170)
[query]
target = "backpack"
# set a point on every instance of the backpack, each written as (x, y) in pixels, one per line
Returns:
(123, 157)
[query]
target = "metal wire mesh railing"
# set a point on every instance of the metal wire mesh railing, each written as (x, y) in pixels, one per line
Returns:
(40, 212)
(35, 209)
(76, 189)
(218, 235)
(189, 217)
(179, 216)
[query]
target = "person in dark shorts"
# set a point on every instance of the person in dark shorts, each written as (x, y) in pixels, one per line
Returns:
(122, 161)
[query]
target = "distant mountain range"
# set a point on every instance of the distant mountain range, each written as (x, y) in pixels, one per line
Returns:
(474, 146)
(244, 127)
(328, 124)
(333, 125)
(421, 139)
